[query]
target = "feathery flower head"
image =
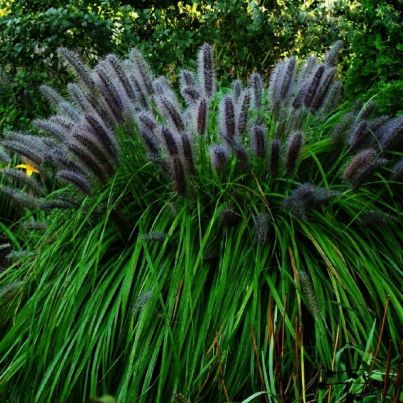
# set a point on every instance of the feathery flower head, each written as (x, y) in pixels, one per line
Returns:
(206, 71)
(187, 78)
(293, 149)
(229, 218)
(170, 140)
(361, 160)
(391, 133)
(258, 139)
(305, 198)
(311, 87)
(236, 86)
(201, 116)
(243, 112)
(363, 175)
(358, 135)
(309, 294)
(77, 66)
(191, 95)
(142, 71)
(75, 178)
(171, 111)
(22, 178)
(256, 88)
(219, 156)
(333, 53)
(261, 223)
(375, 218)
(226, 119)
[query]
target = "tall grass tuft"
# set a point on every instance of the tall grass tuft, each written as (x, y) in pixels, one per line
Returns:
(267, 280)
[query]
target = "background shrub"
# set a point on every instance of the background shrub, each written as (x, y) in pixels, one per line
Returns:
(376, 67)
(246, 35)
(30, 33)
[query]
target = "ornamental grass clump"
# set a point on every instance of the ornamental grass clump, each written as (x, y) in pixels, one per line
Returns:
(79, 144)
(245, 261)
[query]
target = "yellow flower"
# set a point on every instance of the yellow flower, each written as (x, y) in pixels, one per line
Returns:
(29, 169)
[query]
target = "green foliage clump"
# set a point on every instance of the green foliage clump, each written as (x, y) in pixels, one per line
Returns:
(30, 33)
(226, 242)
(245, 34)
(377, 44)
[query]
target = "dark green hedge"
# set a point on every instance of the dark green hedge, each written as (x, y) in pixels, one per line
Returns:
(246, 35)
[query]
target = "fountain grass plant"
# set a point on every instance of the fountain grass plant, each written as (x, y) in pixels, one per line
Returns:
(227, 250)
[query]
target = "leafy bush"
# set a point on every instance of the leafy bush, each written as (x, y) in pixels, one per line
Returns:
(30, 33)
(243, 254)
(376, 63)
(246, 35)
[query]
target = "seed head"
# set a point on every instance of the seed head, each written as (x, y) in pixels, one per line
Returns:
(187, 79)
(142, 71)
(236, 89)
(51, 95)
(256, 88)
(312, 86)
(170, 140)
(201, 124)
(192, 95)
(79, 181)
(178, 175)
(294, 146)
(361, 160)
(23, 179)
(309, 294)
(275, 156)
(258, 139)
(77, 66)
(188, 153)
(261, 223)
(172, 112)
(226, 118)
(219, 156)
(242, 113)
(358, 135)
(206, 71)
(366, 173)
(397, 170)
(333, 53)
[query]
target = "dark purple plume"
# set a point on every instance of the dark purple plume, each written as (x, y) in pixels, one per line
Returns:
(79, 181)
(219, 156)
(258, 140)
(306, 197)
(293, 149)
(170, 140)
(226, 117)
(275, 156)
(201, 121)
(206, 71)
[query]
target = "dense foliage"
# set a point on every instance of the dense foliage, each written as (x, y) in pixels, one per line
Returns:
(376, 65)
(30, 33)
(246, 35)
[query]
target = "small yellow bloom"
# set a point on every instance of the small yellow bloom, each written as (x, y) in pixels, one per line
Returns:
(29, 169)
